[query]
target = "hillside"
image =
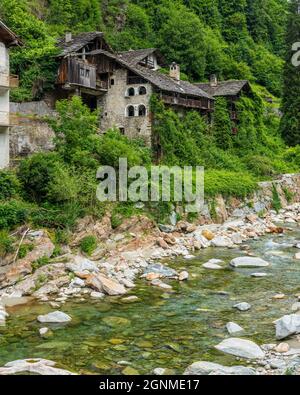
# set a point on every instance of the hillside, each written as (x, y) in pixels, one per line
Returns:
(237, 39)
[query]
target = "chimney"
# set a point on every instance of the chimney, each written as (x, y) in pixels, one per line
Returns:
(213, 80)
(175, 71)
(68, 37)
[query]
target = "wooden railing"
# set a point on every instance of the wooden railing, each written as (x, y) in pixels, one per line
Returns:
(102, 84)
(184, 102)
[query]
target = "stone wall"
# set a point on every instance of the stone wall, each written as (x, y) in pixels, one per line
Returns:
(31, 133)
(220, 209)
(113, 108)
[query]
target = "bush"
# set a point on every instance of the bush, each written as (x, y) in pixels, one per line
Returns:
(6, 244)
(260, 165)
(229, 183)
(13, 213)
(9, 185)
(44, 177)
(88, 244)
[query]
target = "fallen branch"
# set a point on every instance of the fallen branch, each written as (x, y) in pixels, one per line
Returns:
(21, 241)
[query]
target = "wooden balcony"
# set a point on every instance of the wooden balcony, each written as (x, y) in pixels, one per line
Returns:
(9, 81)
(7, 119)
(201, 104)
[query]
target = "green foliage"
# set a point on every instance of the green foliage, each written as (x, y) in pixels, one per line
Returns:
(290, 123)
(88, 244)
(276, 203)
(24, 249)
(43, 261)
(229, 183)
(13, 213)
(222, 127)
(45, 178)
(6, 243)
(289, 195)
(9, 185)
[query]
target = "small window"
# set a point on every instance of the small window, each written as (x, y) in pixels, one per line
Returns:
(131, 92)
(82, 72)
(142, 90)
(130, 111)
(112, 82)
(122, 131)
(142, 111)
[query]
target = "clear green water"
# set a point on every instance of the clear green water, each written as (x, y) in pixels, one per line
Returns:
(163, 329)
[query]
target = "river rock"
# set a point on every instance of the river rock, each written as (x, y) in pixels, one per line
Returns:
(296, 306)
(287, 325)
(213, 264)
(160, 284)
(243, 306)
(233, 328)
(80, 264)
(162, 270)
(208, 234)
(236, 238)
(247, 261)
(97, 295)
(241, 348)
(100, 283)
(221, 241)
(183, 276)
(166, 228)
(297, 256)
(282, 348)
(54, 317)
(259, 275)
(204, 368)
(33, 365)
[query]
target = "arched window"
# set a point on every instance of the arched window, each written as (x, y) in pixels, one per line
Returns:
(142, 111)
(130, 92)
(142, 90)
(130, 111)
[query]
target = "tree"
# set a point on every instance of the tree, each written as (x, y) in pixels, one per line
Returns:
(290, 123)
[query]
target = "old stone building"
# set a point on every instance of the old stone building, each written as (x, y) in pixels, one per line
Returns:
(7, 81)
(121, 84)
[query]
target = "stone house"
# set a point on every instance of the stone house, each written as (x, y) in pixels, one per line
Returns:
(231, 90)
(7, 81)
(121, 84)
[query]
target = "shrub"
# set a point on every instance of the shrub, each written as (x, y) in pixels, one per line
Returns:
(44, 177)
(13, 213)
(260, 165)
(88, 244)
(229, 183)
(24, 249)
(6, 243)
(9, 185)
(43, 261)
(276, 203)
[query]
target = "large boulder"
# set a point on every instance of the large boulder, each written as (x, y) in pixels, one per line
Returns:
(287, 325)
(33, 365)
(248, 261)
(241, 348)
(56, 317)
(204, 368)
(100, 283)
(221, 241)
(80, 264)
(161, 270)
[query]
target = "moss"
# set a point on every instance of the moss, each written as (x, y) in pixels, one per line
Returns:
(276, 203)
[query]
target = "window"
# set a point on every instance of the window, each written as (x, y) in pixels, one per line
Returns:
(130, 92)
(142, 111)
(130, 111)
(122, 131)
(81, 72)
(112, 82)
(142, 90)
(87, 73)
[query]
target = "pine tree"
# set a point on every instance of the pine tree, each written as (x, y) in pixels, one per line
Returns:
(290, 123)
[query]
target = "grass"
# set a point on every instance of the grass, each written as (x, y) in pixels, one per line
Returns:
(88, 244)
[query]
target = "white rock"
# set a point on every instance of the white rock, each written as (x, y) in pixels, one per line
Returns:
(81, 264)
(258, 275)
(77, 282)
(287, 325)
(54, 317)
(204, 368)
(247, 261)
(43, 331)
(159, 371)
(241, 348)
(33, 365)
(213, 264)
(233, 328)
(221, 241)
(236, 238)
(296, 306)
(183, 276)
(297, 255)
(244, 306)
(97, 295)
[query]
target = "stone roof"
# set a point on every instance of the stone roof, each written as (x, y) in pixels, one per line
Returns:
(136, 56)
(161, 81)
(224, 88)
(77, 42)
(7, 36)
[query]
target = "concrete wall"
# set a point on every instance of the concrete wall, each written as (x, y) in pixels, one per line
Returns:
(4, 109)
(113, 107)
